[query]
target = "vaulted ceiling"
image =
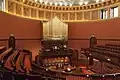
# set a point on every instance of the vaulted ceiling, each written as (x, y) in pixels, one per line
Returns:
(68, 2)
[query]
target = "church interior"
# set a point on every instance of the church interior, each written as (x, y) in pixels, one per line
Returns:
(59, 40)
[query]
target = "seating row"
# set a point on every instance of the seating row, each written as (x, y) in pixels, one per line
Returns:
(105, 55)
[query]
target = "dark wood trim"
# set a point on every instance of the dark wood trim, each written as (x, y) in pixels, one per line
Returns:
(5, 39)
(78, 39)
(109, 39)
(97, 39)
(28, 38)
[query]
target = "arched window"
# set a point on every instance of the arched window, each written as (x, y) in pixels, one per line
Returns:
(114, 12)
(103, 14)
(2, 5)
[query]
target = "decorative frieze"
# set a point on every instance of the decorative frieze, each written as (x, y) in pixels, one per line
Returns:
(30, 9)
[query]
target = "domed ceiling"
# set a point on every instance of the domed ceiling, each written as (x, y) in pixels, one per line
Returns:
(67, 2)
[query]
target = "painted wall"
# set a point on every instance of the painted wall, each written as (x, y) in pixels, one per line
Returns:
(29, 32)
(26, 31)
(104, 30)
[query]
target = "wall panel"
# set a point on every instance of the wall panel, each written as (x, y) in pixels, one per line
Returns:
(27, 32)
(106, 30)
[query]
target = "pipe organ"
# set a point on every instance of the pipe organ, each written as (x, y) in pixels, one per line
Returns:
(55, 29)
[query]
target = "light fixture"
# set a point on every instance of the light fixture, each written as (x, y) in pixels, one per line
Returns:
(87, 75)
(56, 3)
(108, 59)
(65, 3)
(60, 3)
(50, 3)
(103, 75)
(80, 3)
(45, 2)
(63, 71)
(68, 69)
(55, 47)
(46, 69)
(86, 2)
(36, 0)
(97, 1)
(65, 46)
(70, 4)
(103, 0)
(24, 1)
(41, 1)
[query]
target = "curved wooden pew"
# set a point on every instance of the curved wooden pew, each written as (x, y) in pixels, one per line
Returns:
(14, 59)
(2, 49)
(8, 64)
(27, 63)
(19, 63)
(5, 55)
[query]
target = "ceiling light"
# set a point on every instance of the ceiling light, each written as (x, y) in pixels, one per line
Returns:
(50, 3)
(86, 2)
(65, 3)
(35, 0)
(56, 3)
(97, 1)
(45, 2)
(60, 3)
(41, 1)
(70, 4)
(103, 0)
(80, 3)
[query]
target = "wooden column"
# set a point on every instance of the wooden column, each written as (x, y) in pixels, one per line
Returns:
(44, 14)
(99, 14)
(68, 16)
(75, 16)
(118, 10)
(6, 5)
(108, 13)
(83, 15)
(37, 14)
(90, 15)
(30, 12)
(14, 8)
(22, 10)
